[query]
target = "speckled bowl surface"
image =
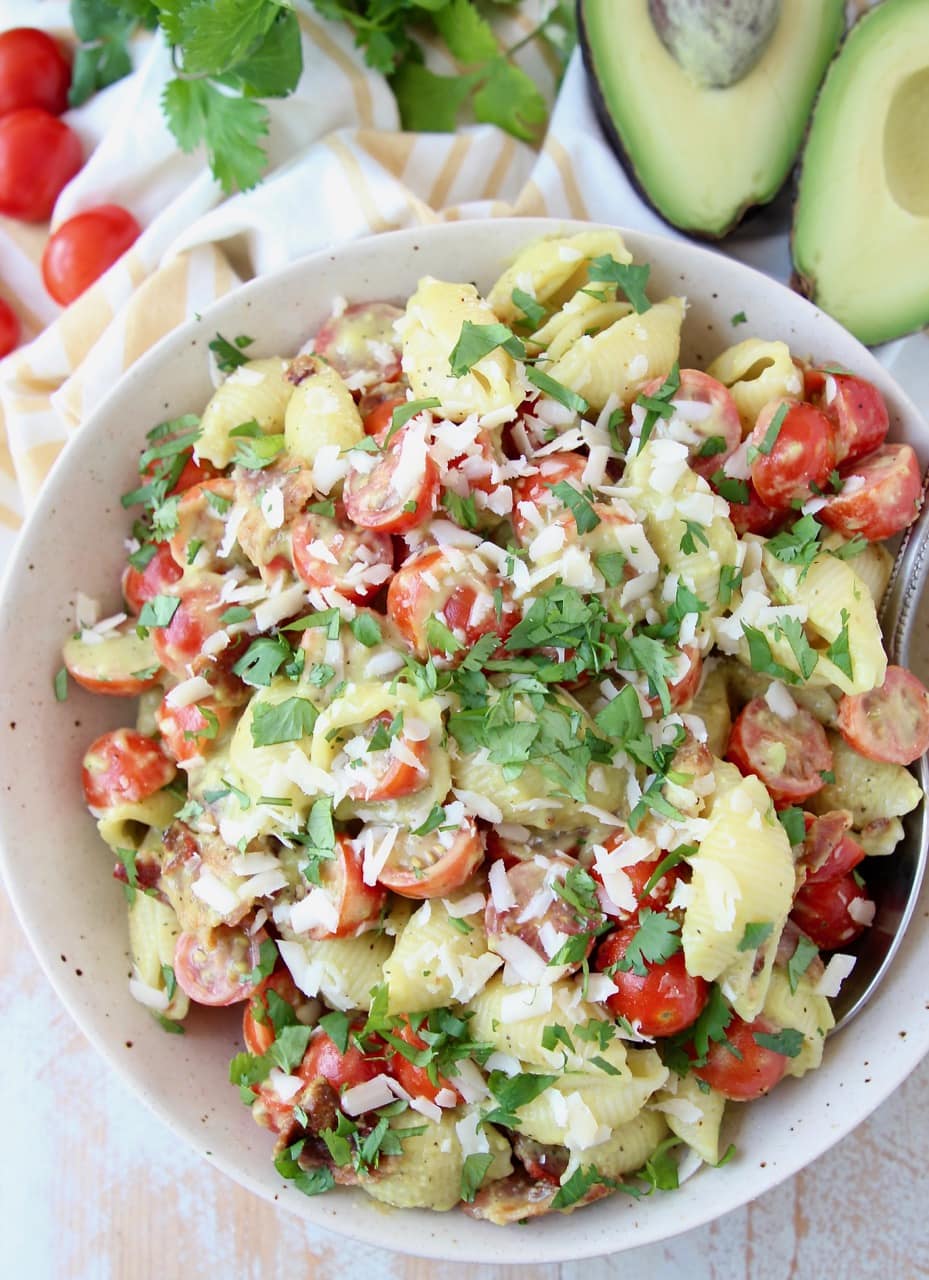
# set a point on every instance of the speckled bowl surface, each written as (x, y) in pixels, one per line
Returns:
(57, 870)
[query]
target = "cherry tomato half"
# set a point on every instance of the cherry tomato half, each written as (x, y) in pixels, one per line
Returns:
(154, 579)
(257, 1028)
(193, 731)
(857, 408)
(534, 504)
(639, 874)
(361, 343)
(124, 767)
(84, 247)
(752, 1070)
(434, 865)
(216, 968)
(890, 723)
(801, 456)
(355, 903)
(413, 1078)
(550, 921)
(754, 516)
(39, 155)
(881, 495)
(828, 850)
(390, 772)
(709, 410)
(789, 756)
(327, 553)
(324, 1060)
(661, 1002)
(34, 72)
(399, 491)
(9, 329)
(822, 912)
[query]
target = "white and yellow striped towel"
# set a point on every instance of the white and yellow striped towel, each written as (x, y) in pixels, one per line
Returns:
(339, 168)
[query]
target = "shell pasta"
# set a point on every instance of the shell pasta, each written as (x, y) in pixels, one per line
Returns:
(514, 730)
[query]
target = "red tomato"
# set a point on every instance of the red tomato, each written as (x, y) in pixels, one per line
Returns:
(890, 723)
(34, 72)
(821, 911)
(709, 410)
(377, 421)
(639, 874)
(215, 968)
(755, 1071)
(161, 572)
(124, 767)
(113, 672)
(178, 645)
(356, 562)
(257, 1028)
(188, 732)
(828, 850)
(802, 455)
(9, 327)
(661, 1002)
(434, 865)
(400, 491)
(192, 472)
(856, 406)
(550, 919)
(355, 902)
(881, 495)
(323, 1060)
(534, 504)
(479, 465)
(39, 155)
(361, 344)
(683, 687)
(84, 247)
(201, 519)
(414, 1079)
(754, 516)
(457, 589)
(787, 755)
(383, 773)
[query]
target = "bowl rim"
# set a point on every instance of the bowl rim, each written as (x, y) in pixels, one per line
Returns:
(372, 1227)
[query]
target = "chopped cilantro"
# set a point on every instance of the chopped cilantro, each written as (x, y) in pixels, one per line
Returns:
(462, 510)
(839, 651)
(554, 1035)
(262, 660)
(788, 1041)
(473, 1172)
(435, 820)
(756, 932)
(612, 564)
(531, 309)
(695, 533)
(799, 544)
(237, 613)
(774, 429)
(229, 355)
(158, 611)
(267, 959)
(404, 412)
(319, 840)
(312, 1182)
(512, 1092)
(336, 1026)
(440, 639)
(655, 940)
(366, 629)
(477, 341)
(730, 580)
(803, 651)
(711, 446)
(793, 822)
(761, 658)
(549, 386)
(60, 684)
(631, 278)
(739, 318)
(585, 517)
(667, 863)
(735, 491)
(286, 721)
(804, 953)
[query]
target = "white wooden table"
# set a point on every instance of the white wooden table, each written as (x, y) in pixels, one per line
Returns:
(92, 1187)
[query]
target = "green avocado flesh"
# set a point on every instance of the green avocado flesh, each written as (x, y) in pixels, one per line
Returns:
(703, 156)
(861, 221)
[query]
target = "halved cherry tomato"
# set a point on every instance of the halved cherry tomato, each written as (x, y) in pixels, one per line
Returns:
(39, 155)
(801, 456)
(178, 645)
(881, 495)
(748, 1072)
(857, 407)
(460, 591)
(377, 420)
(828, 850)
(709, 410)
(192, 731)
(821, 911)
(639, 874)
(34, 71)
(120, 664)
(326, 553)
(9, 328)
(201, 524)
(84, 247)
(682, 688)
(216, 968)
(478, 465)
(789, 756)
(534, 504)
(890, 723)
(434, 865)
(754, 516)
(413, 1078)
(257, 1028)
(341, 879)
(124, 767)
(324, 1060)
(360, 343)
(661, 1002)
(384, 773)
(400, 490)
(161, 572)
(549, 919)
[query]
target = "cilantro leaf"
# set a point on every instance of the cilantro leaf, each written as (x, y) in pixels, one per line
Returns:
(435, 820)
(762, 659)
(158, 611)
(60, 684)
(654, 941)
(799, 544)
(440, 639)
(756, 932)
(469, 36)
(512, 1092)
(622, 717)
(286, 721)
(739, 318)
(804, 953)
(576, 1187)
(429, 103)
(462, 510)
(792, 820)
(477, 341)
(695, 533)
(556, 390)
(472, 1173)
(262, 660)
(711, 446)
(229, 355)
(102, 57)
(366, 629)
(267, 959)
(319, 840)
(660, 1169)
(839, 651)
(288, 1048)
(404, 412)
(312, 1182)
(585, 517)
(231, 128)
(734, 491)
(631, 278)
(508, 97)
(532, 310)
(554, 1035)
(774, 429)
(788, 1041)
(336, 1026)
(612, 564)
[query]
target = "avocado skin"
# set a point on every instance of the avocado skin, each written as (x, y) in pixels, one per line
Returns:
(870, 329)
(693, 226)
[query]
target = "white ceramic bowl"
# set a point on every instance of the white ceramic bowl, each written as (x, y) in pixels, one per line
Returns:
(57, 870)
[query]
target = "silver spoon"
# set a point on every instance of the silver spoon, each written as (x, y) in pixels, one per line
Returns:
(894, 882)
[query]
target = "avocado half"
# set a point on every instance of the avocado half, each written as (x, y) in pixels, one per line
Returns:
(703, 156)
(861, 221)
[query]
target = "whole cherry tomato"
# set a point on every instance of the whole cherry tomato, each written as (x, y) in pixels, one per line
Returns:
(740, 1068)
(84, 247)
(34, 72)
(39, 155)
(9, 329)
(661, 1002)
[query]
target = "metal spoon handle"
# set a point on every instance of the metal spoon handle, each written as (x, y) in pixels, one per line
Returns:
(907, 579)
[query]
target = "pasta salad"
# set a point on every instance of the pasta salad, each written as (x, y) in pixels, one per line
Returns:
(514, 726)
